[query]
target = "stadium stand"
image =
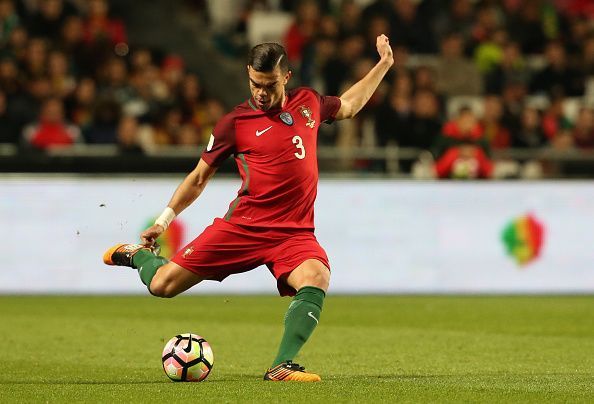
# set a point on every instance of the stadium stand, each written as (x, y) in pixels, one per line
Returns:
(77, 82)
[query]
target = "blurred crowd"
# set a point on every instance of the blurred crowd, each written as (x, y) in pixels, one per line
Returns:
(68, 75)
(470, 76)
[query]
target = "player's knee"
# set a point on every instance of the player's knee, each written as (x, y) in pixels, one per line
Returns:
(317, 276)
(163, 288)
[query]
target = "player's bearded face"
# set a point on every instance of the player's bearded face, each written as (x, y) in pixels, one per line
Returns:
(268, 88)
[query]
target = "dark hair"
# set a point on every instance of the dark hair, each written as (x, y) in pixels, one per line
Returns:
(465, 109)
(266, 56)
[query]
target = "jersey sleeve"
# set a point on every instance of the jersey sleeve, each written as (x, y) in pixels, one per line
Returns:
(222, 142)
(329, 106)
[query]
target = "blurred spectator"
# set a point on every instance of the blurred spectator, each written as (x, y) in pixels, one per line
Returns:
(142, 104)
(461, 150)
(303, 29)
(81, 104)
(587, 56)
(102, 34)
(51, 129)
(62, 82)
(583, 131)
(158, 88)
(9, 20)
(9, 76)
(337, 69)
(514, 95)
(172, 73)
(578, 8)
(191, 100)
(50, 17)
(17, 44)
(25, 105)
(458, 17)
(495, 133)
(106, 116)
(512, 67)
(579, 30)
(526, 26)
(115, 83)
(424, 79)
(100, 28)
(140, 59)
(131, 136)
(212, 114)
(378, 25)
(488, 54)
(35, 62)
(556, 125)
(349, 21)
(426, 122)
(9, 132)
(529, 133)
(168, 127)
(557, 78)
(456, 75)
(486, 25)
(409, 27)
(72, 43)
(188, 136)
(393, 118)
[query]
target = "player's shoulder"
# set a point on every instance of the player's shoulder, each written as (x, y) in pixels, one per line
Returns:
(229, 118)
(305, 95)
(239, 109)
(303, 91)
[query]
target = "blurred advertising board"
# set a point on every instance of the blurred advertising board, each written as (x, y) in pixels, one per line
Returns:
(382, 236)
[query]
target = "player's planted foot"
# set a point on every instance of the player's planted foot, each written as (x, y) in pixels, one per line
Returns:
(290, 372)
(122, 254)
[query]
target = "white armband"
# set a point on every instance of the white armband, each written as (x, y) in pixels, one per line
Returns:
(166, 218)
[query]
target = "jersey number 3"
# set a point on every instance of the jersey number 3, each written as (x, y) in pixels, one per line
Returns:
(299, 144)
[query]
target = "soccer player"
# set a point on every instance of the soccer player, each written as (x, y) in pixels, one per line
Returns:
(273, 136)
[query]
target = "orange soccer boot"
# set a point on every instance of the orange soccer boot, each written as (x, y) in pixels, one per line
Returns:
(122, 254)
(290, 372)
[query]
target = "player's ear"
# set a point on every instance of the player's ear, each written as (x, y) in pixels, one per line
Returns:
(287, 76)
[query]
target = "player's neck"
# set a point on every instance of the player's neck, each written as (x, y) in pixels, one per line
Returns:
(282, 102)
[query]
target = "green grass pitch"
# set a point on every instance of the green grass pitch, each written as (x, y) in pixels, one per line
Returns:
(367, 349)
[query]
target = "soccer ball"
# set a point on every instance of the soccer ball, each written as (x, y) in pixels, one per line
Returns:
(187, 358)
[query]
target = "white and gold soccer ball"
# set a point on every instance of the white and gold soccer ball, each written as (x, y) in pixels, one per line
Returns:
(187, 358)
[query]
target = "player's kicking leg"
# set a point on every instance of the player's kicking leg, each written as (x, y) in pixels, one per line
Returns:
(310, 280)
(162, 277)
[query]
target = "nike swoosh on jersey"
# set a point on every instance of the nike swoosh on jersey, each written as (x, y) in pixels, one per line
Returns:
(261, 132)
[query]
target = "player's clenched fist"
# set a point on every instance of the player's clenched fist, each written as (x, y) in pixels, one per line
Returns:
(151, 234)
(384, 49)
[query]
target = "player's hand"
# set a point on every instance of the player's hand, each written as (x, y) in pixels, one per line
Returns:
(384, 49)
(150, 235)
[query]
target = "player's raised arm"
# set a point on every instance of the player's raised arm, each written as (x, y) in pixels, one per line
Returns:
(186, 193)
(357, 96)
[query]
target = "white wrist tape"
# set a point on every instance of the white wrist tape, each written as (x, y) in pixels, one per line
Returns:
(166, 218)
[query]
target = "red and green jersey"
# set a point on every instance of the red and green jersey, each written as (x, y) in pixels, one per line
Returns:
(275, 151)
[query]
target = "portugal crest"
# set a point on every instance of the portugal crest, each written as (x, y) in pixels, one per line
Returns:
(286, 117)
(307, 114)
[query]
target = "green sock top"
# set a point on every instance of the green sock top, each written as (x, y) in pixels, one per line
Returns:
(311, 294)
